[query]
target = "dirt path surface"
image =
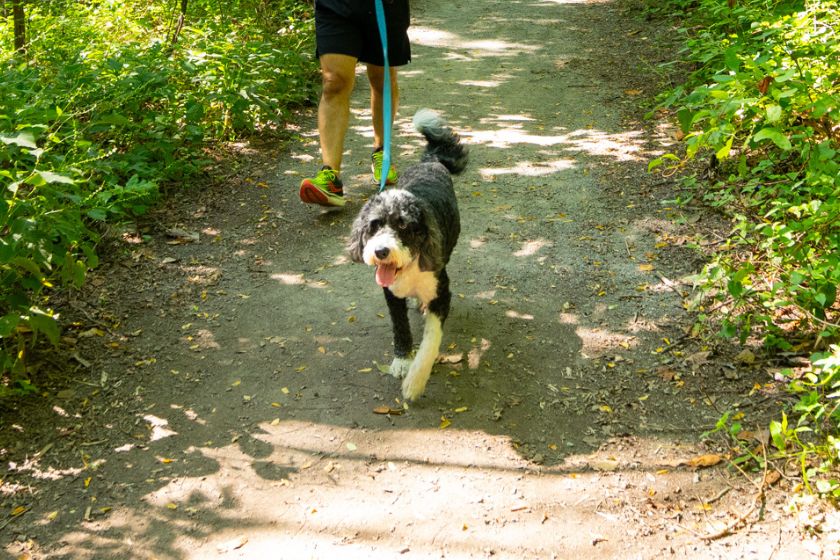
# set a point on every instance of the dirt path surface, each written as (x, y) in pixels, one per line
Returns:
(226, 378)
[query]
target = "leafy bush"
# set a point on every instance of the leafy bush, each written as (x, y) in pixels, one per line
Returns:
(763, 104)
(103, 110)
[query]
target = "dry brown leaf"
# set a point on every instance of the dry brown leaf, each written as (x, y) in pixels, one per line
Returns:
(772, 478)
(385, 409)
(704, 461)
(667, 374)
(451, 358)
(698, 358)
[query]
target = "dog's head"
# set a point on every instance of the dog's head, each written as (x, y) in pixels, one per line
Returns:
(394, 229)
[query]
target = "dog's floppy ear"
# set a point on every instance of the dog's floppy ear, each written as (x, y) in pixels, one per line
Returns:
(431, 250)
(358, 236)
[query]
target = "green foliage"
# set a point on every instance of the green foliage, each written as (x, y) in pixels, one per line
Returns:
(764, 105)
(104, 110)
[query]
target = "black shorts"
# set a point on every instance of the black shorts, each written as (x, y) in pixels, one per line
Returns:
(349, 27)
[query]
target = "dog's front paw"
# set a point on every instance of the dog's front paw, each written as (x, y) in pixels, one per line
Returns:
(400, 367)
(415, 383)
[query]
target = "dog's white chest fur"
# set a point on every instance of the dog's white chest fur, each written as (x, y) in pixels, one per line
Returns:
(412, 282)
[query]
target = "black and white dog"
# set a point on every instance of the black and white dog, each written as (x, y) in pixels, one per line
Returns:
(408, 234)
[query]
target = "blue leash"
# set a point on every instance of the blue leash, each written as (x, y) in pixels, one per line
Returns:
(386, 92)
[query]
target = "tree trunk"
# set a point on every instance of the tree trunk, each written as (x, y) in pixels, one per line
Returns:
(20, 25)
(180, 25)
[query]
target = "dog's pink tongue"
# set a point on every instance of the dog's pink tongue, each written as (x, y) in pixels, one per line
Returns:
(385, 274)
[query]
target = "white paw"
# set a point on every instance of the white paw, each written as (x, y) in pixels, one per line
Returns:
(415, 382)
(400, 367)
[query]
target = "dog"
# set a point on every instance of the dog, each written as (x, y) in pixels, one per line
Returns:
(408, 233)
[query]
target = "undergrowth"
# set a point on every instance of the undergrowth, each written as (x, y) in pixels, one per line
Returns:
(763, 107)
(102, 110)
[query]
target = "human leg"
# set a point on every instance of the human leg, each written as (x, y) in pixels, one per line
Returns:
(376, 76)
(338, 73)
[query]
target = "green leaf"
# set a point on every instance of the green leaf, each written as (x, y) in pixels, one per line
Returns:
(24, 139)
(775, 136)
(777, 435)
(8, 324)
(47, 324)
(723, 152)
(774, 113)
(50, 177)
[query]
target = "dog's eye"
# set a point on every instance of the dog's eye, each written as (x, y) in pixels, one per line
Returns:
(375, 225)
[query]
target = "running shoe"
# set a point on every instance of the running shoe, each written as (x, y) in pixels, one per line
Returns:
(324, 189)
(376, 167)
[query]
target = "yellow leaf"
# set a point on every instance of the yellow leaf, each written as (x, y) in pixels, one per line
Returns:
(605, 408)
(365, 370)
(300, 368)
(632, 92)
(236, 383)
(52, 515)
(166, 461)
(276, 404)
(275, 422)
(444, 422)
(285, 390)
(20, 510)
(462, 409)
(170, 505)
(87, 481)
(646, 267)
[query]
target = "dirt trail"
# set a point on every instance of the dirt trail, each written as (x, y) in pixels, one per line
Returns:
(223, 401)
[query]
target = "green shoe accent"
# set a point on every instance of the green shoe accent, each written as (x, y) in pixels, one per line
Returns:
(376, 167)
(324, 189)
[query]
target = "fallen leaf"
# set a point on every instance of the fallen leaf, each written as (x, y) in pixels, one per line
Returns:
(646, 267)
(703, 461)
(385, 409)
(234, 544)
(632, 92)
(444, 422)
(772, 478)
(180, 236)
(667, 374)
(604, 465)
(745, 357)
(698, 359)
(451, 358)
(20, 510)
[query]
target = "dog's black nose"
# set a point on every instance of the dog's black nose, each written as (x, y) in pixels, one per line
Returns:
(382, 252)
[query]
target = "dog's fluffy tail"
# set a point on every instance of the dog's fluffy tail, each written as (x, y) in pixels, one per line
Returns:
(444, 144)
